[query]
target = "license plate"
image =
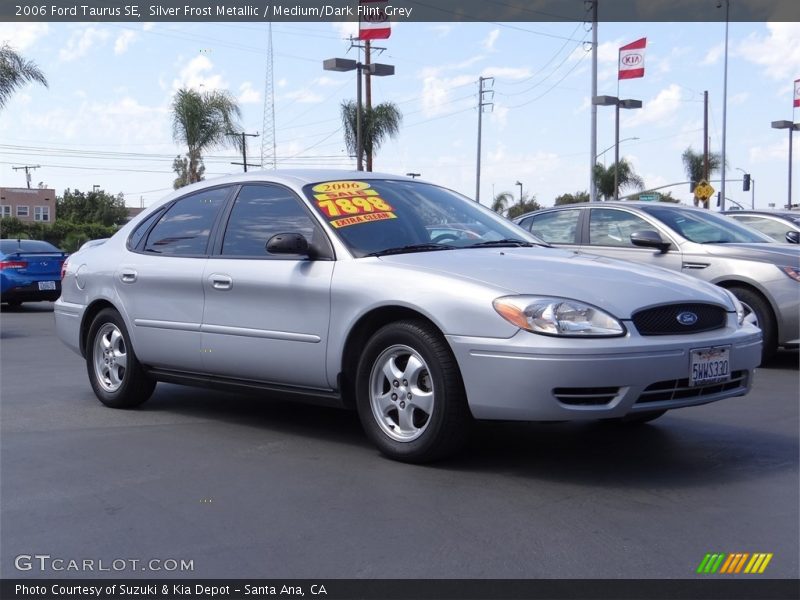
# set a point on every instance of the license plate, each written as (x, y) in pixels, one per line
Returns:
(47, 285)
(709, 365)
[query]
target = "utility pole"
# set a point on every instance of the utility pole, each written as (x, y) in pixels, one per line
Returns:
(367, 48)
(28, 169)
(705, 135)
(481, 103)
(593, 135)
(244, 162)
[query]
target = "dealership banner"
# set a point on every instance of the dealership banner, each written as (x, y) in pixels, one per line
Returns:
(631, 59)
(373, 22)
(797, 93)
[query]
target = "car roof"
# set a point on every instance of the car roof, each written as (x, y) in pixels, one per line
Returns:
(766, 213)
(633, 204)
(11, 246)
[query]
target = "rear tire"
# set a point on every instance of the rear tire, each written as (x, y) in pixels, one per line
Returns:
(410, 395)
(758, 312)
(117, 378)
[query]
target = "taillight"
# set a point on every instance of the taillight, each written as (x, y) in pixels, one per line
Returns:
(13, 264)
(63, 269)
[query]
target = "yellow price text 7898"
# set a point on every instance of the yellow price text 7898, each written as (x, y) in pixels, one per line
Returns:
(352, 206)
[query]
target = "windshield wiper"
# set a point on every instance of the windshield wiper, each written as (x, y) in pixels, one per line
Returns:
(411, 248)
(504, 242)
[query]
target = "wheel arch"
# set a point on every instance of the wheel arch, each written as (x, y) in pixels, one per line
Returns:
(753, 287)
(88, 317)
(357, 337)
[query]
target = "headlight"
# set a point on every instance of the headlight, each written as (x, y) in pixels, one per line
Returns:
(738, 306)
(557, 316)
(792, 272)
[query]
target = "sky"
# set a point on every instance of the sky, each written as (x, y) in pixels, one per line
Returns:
(105, 118)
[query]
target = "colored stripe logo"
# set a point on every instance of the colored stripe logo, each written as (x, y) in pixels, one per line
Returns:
(734, 563)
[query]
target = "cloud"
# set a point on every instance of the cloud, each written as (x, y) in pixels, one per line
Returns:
(197, 74)
(123, 41)
(660, 109)
(713, 55)
(325, 81)
(248, 95)
(81, 41)
(21, 36)
(437, 92)
(346, 29)
(489, 42)
(499, 115)
(778, 52)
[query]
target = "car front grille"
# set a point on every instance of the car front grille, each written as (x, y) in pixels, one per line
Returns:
(588, 396)
(679, 389)
(676, 319)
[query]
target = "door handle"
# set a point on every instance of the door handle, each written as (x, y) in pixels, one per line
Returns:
(221, 282)
(128, 276)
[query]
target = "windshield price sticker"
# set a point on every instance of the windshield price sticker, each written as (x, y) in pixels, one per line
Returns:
(378, 216)
(709, 365)
(355, 199)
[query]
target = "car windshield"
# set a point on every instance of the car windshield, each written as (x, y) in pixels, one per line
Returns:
(703, 227)
(374, 217)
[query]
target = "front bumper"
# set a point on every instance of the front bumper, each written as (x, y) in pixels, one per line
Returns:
(574, 379)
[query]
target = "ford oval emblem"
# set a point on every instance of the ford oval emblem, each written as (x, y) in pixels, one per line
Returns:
(687, 318)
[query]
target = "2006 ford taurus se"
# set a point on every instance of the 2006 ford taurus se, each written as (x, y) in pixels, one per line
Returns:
(351, 288)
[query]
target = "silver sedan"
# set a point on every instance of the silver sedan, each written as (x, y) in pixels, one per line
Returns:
(351, 289)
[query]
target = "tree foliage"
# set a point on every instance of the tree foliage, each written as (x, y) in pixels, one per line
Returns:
(626, 179)
(181, 167)
(501, 202)
(575, 198)
(63, 234)
(377, 124)
(524, 205)
(203, 121)
(91, 207)
(15, 72)
(693, 164)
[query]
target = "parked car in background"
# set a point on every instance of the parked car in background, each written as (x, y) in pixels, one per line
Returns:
(763, 275)
(30, 271)
(781, 226)
(355, 289)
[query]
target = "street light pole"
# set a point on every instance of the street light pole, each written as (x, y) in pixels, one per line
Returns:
(377, 69)
(792, 127)
(359, 136)
(617, 104)
(519, 183)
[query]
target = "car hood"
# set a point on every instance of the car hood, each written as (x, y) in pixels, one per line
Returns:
(615, 286)
(779, 254)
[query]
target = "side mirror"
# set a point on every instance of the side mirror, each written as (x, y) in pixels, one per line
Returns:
(793, 237)
(649, 239)
(287, 243)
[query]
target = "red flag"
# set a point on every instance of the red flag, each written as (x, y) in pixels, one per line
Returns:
(631, 59)
(373, 24)
(797, 93)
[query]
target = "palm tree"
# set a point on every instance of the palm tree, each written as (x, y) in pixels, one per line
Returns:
(377, 124)
(202, 121)
(15, 71)
(693, 164)
(501, 202)
(626, 178)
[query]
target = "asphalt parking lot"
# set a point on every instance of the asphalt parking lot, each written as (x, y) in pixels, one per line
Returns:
(245, 487)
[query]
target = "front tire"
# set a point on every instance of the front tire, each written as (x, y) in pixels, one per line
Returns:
(117, 378)
(410, 395)
(758, 312)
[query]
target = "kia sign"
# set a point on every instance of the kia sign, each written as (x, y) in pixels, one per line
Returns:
(631, 59)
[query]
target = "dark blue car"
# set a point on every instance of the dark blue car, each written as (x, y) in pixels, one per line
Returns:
(30, 271)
